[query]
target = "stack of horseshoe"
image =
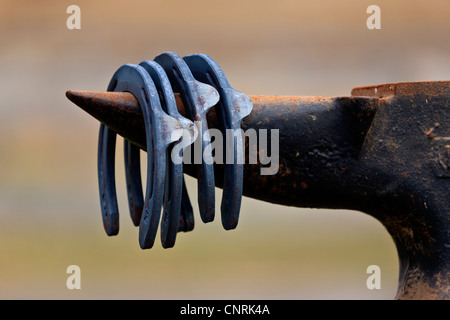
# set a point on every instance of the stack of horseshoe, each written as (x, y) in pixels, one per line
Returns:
(202, 85)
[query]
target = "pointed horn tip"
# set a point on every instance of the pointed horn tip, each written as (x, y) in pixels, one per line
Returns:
(105, 96)
(84, 99)
(69, 94)
(75, 95)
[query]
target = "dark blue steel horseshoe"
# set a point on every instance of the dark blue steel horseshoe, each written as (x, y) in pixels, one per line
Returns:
(173, 192)
(133, 180)
(136, 80)
(106, 179)
(198, 98)
(233, 106)
(187, 213)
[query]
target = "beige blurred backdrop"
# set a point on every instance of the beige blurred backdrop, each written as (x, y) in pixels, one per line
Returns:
(49, 207)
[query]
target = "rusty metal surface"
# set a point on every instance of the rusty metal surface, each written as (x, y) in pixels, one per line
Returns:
(384, 151)
(410, 136)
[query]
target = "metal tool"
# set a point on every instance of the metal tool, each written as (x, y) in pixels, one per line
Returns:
(384, 150)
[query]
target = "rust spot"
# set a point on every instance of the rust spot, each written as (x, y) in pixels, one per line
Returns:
(389, 90)
(430, 133)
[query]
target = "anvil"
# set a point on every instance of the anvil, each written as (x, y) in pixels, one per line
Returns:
(384, 150)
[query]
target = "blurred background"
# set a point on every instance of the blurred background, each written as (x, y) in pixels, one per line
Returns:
(49, 207)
